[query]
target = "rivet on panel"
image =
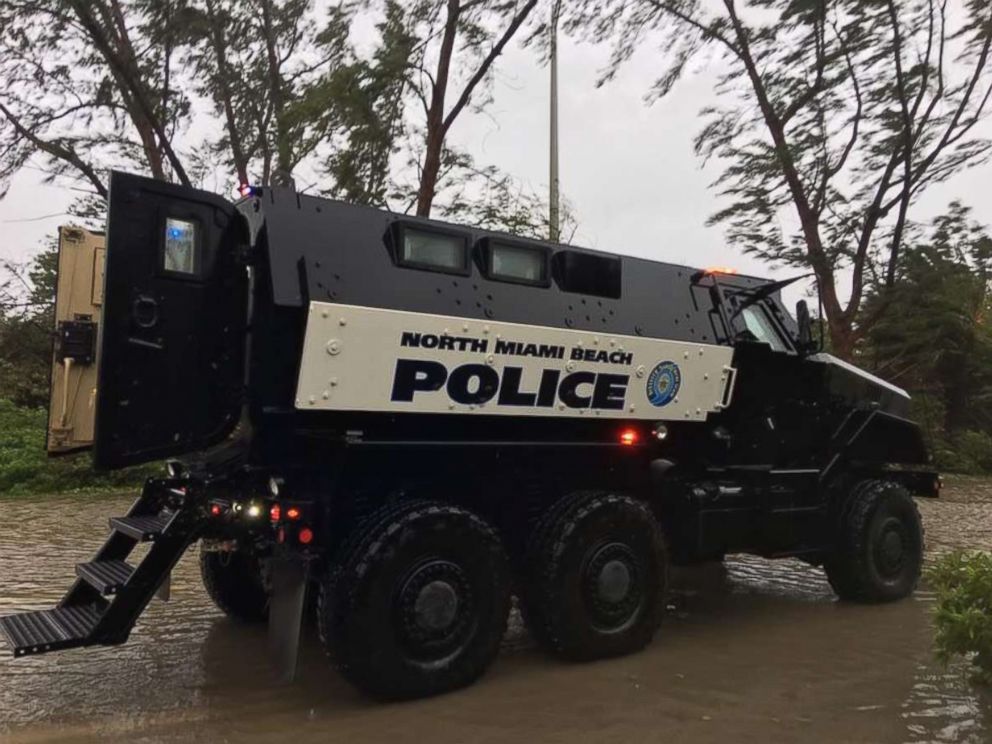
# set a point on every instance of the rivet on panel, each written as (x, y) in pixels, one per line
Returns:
(326, 394)
(334, 382)
(640, 371)
(342, 322)
(333, 346)
(569, 365)
(490, 359)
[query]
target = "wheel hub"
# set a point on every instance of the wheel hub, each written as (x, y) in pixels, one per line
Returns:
(611, 579)
(614, 581)
(890, 549)
(434, 606)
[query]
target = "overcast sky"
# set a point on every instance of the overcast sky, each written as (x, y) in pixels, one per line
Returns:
(628, 169)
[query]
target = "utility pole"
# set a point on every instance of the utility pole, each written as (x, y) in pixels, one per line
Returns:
(554, 212)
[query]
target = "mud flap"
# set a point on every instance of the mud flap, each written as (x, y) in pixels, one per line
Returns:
(286, 604)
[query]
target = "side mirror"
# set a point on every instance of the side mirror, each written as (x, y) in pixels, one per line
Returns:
(805, 339)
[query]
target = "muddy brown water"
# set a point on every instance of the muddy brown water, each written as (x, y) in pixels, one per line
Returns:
(751, 651)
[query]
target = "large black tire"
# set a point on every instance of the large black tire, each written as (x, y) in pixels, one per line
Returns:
(878, 551)
(595, 578)
(417, 603)
(233, 581)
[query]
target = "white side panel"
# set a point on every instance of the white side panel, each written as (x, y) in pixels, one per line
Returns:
(369, 359)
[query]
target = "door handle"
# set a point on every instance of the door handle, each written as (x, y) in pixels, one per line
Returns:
(144, 312)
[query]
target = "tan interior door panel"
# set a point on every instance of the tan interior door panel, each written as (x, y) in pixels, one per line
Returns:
(78, 300)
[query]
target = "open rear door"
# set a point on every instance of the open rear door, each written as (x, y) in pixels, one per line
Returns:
(78, 300)
(172, 347)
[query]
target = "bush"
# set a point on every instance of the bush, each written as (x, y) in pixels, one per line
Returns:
(26, 468)
(963, 583)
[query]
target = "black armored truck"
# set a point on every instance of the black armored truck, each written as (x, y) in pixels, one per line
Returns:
(408, 422)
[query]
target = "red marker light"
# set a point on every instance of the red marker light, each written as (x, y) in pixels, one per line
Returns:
(215, 510)
(275, 513)
(292, 513)
(244, 190)
(629, 436)
(305, 536)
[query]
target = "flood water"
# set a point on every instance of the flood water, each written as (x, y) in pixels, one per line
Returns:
(751, 651)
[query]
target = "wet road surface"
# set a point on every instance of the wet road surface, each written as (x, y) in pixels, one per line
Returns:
(751, 651)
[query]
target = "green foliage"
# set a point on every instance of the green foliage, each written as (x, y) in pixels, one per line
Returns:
(963, 620)
(25, 359)
(930, 333)
(26, 320)
(25, 468)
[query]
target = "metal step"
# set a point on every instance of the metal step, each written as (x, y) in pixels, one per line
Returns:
(143, 529)
(107, 577)
(50, 630)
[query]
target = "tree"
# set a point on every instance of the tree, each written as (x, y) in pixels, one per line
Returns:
(834, 114)
(457, 44)
(99, 84)
(87, 87)
(935, 338)
(371, 103)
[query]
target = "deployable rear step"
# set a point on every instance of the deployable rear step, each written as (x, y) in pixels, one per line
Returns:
(110, 594)
(50, 630)
(107, 577)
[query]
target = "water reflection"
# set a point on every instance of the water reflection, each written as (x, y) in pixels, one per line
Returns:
(751, 650)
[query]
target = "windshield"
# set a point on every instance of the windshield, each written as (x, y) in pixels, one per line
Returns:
(761, 326)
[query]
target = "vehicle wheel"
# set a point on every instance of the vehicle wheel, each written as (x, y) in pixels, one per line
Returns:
(233, 581)
(418, 602)
(878, 553)
(597, 570)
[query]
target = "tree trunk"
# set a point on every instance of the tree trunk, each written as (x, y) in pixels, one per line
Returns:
(284, 146)
(436, 128)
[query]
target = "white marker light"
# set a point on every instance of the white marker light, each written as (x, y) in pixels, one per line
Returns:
(254, 511)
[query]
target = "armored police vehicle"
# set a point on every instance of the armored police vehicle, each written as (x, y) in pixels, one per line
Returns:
(409, 421)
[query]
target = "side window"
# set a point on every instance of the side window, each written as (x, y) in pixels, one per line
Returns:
(588, 273)
(179, 254)
(516, 262)
(430, 249)
(759, 324)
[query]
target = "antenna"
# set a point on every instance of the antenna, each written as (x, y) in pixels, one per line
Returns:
(554, 213)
